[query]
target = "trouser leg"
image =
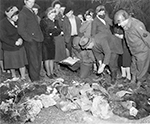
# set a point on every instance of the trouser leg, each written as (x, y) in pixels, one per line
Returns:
(139, 67)
(69, 46)
(142, 67)
(114, 66)
(34, 55)
(85, 70)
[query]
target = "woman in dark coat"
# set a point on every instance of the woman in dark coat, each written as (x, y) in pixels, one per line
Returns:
(60, 49)
(12, 44)
(49, 30)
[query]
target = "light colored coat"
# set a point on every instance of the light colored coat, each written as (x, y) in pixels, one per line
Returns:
(138, 40)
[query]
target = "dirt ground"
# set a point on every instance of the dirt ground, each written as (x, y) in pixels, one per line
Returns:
(53, 115)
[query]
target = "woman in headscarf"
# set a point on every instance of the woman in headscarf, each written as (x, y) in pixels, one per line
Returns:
(12, 44)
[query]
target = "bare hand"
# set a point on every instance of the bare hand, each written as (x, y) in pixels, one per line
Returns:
(101, 69)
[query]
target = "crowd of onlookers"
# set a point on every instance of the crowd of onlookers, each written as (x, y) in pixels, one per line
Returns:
(29, 42)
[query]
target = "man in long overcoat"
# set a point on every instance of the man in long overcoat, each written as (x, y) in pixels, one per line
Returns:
(29, 29)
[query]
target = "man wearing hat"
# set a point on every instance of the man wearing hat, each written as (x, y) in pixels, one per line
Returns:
(30, 31)
(107, 46)
(87, 60)
(71, 26)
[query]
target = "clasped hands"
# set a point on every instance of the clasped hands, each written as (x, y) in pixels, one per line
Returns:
(19, 42)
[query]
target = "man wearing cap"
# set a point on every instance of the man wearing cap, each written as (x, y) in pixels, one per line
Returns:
(107, 46)
(29, 29)
(86, 58)
(71, 26)
(138, 40)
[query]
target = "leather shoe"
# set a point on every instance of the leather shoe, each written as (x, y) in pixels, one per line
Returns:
(49, 76)
(54, 75)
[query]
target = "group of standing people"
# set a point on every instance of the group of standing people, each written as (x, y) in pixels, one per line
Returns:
(25, 30)
(30, 40)
(106, 45)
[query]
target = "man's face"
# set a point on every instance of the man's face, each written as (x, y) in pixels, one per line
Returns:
(35, 10)
(122, 22)
(102, 12)
(29, 3)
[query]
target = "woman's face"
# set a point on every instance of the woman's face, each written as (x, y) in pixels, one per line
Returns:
(51, 15)
(14, 18)
(88, 17)
(57, 7)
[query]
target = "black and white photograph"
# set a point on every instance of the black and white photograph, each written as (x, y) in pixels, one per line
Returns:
(74, 61)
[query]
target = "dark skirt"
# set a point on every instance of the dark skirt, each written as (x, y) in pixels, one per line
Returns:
(1, 52)
(15, 59)
(60, 49)
(126, 56)
(48, 50)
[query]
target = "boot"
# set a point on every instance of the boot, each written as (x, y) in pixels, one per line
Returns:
(133, 80)
(133, 83)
